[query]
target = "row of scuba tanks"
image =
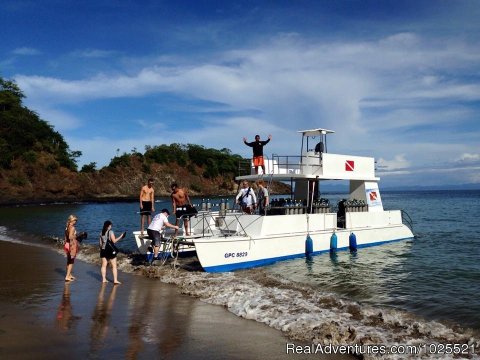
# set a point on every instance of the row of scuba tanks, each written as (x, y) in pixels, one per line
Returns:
(354, 205)
(289, 206)
(207, 205)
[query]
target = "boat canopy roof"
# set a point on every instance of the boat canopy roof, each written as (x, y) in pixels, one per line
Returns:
(316, 132)
(316, 163)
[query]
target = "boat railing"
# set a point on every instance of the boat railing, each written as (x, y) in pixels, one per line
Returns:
(225, 223)
(244, 167)
(284, 164)
(407, 220)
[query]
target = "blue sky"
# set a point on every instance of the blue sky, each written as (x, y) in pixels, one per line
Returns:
(397, 80)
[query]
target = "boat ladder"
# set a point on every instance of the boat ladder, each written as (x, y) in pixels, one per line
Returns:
(407, 220)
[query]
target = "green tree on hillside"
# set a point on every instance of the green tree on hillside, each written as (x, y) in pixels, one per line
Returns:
(214, 162)
(22, 131)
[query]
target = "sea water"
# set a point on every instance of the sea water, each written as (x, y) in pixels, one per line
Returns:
(409, 292)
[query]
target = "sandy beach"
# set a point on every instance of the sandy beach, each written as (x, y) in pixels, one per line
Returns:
(42, 317)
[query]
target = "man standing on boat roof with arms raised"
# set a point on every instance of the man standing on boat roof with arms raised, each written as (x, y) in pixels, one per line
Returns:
(147, 204)
(257, 146)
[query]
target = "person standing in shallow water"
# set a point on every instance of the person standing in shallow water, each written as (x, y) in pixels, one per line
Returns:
(70, 246)
(147, 204)
(156, 228)
(257, 146)
(106, 253)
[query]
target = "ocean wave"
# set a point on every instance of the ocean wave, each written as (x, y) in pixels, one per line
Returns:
(308, 315)
(299, 311)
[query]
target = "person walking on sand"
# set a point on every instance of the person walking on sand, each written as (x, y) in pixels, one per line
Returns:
(108, 251)
(181, 206)
(70, 246)
(257, 146)
(147, 204)
(155, 230)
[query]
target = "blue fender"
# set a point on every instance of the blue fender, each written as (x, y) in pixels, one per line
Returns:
(352, 242)
(333, 242)
(308, 246)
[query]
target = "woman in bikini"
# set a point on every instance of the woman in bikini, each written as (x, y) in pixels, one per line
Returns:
(71, 246)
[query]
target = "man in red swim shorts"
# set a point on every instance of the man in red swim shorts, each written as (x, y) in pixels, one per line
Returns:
(257, 146)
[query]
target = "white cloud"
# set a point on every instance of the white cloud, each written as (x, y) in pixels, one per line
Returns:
(399, 162)
(369, 92)
(26, 51)
(93, 53)
(468, 158)
(405, 39)
(61, 120)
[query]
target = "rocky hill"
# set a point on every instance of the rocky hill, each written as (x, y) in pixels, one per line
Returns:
(37, 165)
(46, 182)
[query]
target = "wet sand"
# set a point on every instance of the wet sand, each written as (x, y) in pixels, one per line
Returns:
(42, 317)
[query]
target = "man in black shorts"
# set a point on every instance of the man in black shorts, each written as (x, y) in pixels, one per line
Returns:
(156, 228)
(147, 194)
(182, 207)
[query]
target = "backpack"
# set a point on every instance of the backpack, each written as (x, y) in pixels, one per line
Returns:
(242, 197)
(103, 239)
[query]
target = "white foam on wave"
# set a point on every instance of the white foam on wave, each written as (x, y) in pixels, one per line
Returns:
(8, 235)
(5, 235)
(306, 314)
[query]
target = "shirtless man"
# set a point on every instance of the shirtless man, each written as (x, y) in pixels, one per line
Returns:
(146, 204)
(181, 206)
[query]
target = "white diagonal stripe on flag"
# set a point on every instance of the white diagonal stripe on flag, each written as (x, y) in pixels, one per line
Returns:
(349, 165)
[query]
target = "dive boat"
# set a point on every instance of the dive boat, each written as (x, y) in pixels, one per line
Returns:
(304, 224)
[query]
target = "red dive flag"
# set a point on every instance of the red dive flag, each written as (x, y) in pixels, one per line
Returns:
(373, 196)
(349, 165)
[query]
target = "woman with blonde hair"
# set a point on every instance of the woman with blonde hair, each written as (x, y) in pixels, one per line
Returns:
(71, 245)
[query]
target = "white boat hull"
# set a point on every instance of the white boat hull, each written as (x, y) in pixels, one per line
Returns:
(274, 243)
